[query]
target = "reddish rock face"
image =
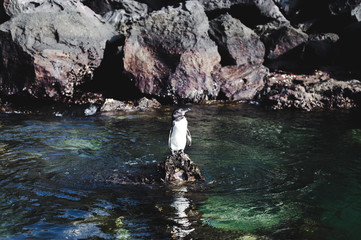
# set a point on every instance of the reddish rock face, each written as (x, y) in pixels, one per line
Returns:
(193, 78)
(169, 54)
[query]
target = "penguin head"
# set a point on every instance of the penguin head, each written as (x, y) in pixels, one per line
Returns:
(179, 113)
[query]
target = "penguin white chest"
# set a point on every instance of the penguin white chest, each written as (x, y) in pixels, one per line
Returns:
(178, 139)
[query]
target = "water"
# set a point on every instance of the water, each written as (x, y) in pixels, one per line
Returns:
(276, 175)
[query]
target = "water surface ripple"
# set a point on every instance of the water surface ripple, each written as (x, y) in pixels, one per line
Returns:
(270, 174)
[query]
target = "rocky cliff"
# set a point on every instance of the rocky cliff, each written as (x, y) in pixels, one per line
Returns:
(286, 54)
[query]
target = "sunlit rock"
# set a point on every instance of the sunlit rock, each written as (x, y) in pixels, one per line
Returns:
(237, 43)
(143, 104)
(91, 110)
(170, 55)
(51, 51)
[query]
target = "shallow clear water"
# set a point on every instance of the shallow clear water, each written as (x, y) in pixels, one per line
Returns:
(279, 175)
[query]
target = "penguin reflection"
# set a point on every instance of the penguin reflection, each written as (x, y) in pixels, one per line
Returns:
(181, 204)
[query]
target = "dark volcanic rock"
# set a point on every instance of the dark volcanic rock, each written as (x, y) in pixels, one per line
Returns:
(308, 92)
(267, 8)
(320, 16)
(49, 53)
(180, 51)
(350, 48)
(320, 50)
(170, 55)
(237, 43)
(280, 41)
(104, 6)
(179, 168)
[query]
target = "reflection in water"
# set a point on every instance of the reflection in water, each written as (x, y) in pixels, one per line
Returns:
(289, 175)
(181, 204)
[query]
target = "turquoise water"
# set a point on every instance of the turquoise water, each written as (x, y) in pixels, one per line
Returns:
(269, 175)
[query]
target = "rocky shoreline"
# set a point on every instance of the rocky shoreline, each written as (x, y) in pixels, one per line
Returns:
(132, 55)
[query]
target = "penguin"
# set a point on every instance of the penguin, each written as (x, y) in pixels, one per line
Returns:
(179, 135)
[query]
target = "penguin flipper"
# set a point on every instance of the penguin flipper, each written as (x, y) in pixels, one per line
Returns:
(170, 135)
(189, 137)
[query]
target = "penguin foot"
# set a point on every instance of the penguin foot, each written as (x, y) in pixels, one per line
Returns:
(179, 152)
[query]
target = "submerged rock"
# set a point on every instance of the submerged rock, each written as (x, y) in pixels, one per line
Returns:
(179, 168)
(176, 169)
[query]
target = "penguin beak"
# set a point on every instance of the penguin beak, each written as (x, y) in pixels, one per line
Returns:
(186, 110)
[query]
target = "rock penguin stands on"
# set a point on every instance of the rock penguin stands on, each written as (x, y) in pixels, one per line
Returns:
(179, 135)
